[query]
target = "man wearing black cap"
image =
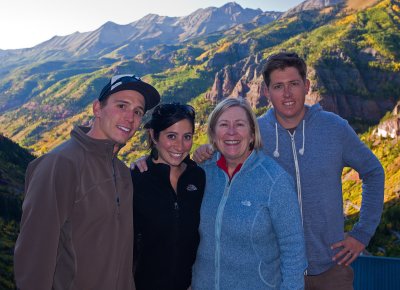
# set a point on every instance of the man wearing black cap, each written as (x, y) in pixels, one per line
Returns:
(76, 226)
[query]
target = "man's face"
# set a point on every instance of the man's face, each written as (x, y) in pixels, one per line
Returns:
(119, 119)
(287, 92)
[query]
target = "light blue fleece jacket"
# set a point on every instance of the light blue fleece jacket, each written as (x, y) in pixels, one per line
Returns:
(251, 235)
(315, 155)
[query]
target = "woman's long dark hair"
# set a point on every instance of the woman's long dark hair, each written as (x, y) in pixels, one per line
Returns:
(164, 116)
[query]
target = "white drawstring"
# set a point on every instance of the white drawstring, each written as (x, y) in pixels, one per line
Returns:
(276, 152)
(301, 151)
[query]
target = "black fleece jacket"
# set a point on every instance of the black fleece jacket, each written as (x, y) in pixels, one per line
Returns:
(166, 226)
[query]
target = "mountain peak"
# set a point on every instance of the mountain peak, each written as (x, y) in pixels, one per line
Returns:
(109, 24)
(231, 8)
(231, 4)
(312, 5)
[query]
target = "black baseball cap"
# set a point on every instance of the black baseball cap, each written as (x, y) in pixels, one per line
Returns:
(132, 83)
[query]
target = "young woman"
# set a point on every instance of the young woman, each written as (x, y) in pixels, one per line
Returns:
(166, 203)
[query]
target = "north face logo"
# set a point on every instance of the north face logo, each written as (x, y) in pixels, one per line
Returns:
(191, 187)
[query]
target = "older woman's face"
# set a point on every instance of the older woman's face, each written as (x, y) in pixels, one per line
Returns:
(233, 135)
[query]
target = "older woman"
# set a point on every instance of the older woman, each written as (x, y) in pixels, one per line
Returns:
(251, 235)
(167, 199)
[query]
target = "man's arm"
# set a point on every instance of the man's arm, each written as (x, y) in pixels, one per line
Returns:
(359, 157)
(45, 209)
(203, 153)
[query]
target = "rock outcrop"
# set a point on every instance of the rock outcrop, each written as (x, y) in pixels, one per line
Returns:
(243, 79)
(338, 82)
(390, 128)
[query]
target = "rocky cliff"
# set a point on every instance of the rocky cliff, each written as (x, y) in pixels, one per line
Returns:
(329, 86)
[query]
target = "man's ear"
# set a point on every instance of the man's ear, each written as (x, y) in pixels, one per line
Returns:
(96, 109)
(267, 92)
(307, 86)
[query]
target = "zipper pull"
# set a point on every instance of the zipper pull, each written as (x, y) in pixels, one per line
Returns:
(176, 207)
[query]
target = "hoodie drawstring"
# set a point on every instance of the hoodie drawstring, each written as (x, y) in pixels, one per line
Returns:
(301, 150)
(296, 163)
(276, 152)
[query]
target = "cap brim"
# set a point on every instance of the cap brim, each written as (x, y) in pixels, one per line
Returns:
(150, 94)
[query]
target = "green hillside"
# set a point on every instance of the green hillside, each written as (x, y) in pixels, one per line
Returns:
(353, 59)
(13, 163)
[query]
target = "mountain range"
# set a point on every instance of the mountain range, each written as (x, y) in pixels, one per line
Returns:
(128, 40)
(351, 54)
(352, 49)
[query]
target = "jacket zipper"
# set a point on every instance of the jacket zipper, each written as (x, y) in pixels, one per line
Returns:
(296, 165)
(174, 264)
(115, 185)
(218, 225)
(298, 182)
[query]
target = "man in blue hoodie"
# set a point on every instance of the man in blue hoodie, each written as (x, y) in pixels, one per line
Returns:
(314, 146)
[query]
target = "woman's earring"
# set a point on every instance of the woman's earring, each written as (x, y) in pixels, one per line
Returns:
(251, 145)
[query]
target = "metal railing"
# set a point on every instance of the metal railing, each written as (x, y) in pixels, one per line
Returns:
(376, 273)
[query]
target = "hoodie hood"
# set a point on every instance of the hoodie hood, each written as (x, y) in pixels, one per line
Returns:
(311, 112)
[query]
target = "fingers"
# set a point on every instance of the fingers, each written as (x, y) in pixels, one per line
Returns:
(343, 254)
(337, 245)
(353, 256)
(210, 150)
(204, 152)
(350, 249)
(140, 164)
(345, 257)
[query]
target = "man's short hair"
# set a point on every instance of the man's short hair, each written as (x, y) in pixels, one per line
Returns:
(282, 60)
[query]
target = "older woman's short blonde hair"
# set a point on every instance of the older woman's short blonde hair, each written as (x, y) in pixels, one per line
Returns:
(221, 108)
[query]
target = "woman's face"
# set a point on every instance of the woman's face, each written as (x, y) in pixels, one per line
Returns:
(174, 143)
(233, 135)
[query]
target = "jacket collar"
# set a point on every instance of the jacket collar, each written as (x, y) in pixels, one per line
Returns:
(163, 168)
(97, 146)
(252, 160)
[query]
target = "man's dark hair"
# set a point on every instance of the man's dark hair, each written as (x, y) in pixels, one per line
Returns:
(282, 60)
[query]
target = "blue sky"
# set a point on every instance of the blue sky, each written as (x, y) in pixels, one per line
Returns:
(26, 23)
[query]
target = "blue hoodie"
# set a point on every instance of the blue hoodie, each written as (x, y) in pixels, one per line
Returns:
(315, 155)
(250, 229)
